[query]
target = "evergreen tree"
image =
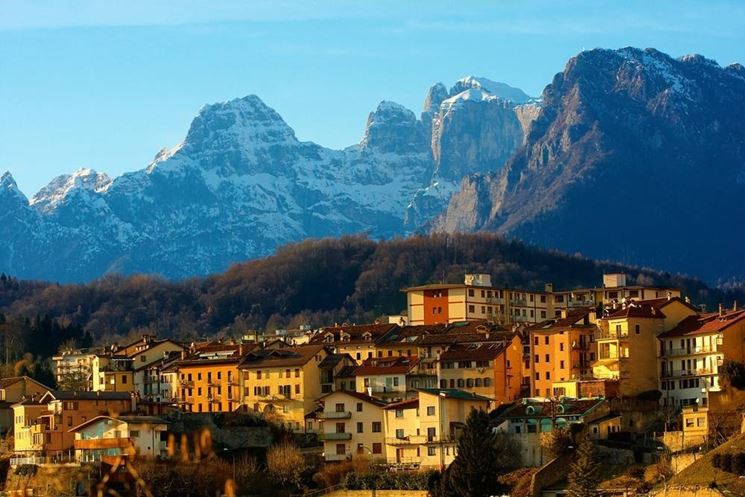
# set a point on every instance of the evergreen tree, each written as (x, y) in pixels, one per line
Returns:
(475, 470)
(583, 474)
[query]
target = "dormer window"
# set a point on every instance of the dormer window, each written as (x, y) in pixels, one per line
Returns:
(367, 336)
(329, 338)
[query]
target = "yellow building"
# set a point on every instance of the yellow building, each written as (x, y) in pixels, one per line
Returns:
(283, 383)
(627, 342)
(561, 349)
(352, 426)
(209, 379)
(390, 378)
(404, 440)
(13, 390)
(442, 416)
(695, 425)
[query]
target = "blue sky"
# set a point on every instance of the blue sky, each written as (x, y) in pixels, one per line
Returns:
(106, 84)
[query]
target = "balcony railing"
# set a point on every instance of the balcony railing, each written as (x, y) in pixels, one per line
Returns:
(689, 351)
(684, 373)
(602, 334)
(336, 415)
(407, 440)
(335, 436)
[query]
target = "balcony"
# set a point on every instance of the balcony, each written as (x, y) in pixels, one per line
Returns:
(336, 415)
(689, 351)
(602, 334)
(335, 436)
(186, 383)
(686, 373)
(407, 440)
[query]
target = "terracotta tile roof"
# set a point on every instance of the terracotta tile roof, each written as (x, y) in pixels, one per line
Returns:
(67, 395)
(574, 318)
(636, 310)
(353, 334)
(705, 324)
(280, 358)
(359, 395)
(346, 372)
(218, 354)
(664, 301)
(448, 339)
(438, 286)
(386, 365)
(404, 404)
(332, 360)
(473, 352)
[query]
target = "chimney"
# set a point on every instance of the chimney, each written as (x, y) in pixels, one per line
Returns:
(734, 305)
(721, 310)
(688, 300)
(240, 349)
(669, 295)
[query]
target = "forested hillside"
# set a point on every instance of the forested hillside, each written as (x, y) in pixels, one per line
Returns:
(315, 282)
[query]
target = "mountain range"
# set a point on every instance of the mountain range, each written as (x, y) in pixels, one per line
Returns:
(628, 155)
(241, 184)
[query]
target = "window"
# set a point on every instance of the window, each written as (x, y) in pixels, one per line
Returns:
(637, 329)
(537, 359)
(360, 427)
(430, 410)
(297, 373)
(340, 407)
(297, 388)
(341, 427)
(399, 413)
(340, 449)
(258, 375)
(376, 428)
(470, 293)
(545, 340)
(561, 347)
(124, 379)
(431, 434)
(548, 358)
(134, 433)
(537, 375)
(561, 364)
(400, 433)
(487, 382)
(395, 381)
(548, 375)
(431, 451)
(219, 375)
(359, 406)
(471, 309)
(377, 448)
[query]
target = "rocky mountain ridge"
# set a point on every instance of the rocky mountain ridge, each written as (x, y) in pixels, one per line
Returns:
(635, 156)
(241, 184)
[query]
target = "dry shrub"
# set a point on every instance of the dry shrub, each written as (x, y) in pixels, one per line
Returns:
(285, 464)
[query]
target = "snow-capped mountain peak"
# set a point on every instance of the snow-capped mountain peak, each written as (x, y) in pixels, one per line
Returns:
(501, 90)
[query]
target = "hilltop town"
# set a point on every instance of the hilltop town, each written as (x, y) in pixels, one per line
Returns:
(641, 371)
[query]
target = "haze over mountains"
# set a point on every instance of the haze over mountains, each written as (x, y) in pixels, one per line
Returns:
(629, 155)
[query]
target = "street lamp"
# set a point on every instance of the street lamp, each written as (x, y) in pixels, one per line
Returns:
(369, 468)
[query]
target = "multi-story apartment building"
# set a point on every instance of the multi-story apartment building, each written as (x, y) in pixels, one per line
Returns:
(76, 366)
(112, 373)
(489, 369)
(209, 379)
(561, 349)
(389, 378)
(691, 353)
(627, 342)
(477, 299)
(442, 415)
(42, 426)
(423, 431)
(106, 438)
(13, 390)
(352, 426)
(283, 382)
(359, 341)
(331, 367)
